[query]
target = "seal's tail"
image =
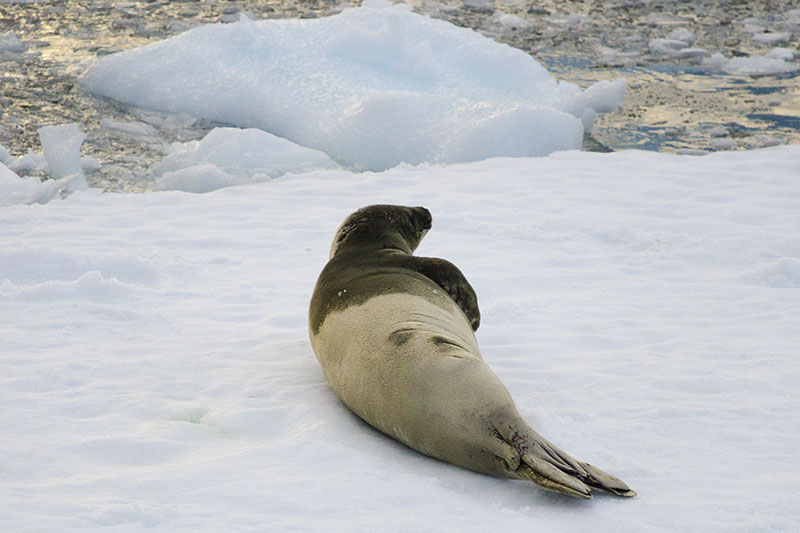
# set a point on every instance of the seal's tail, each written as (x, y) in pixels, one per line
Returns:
(553, 469)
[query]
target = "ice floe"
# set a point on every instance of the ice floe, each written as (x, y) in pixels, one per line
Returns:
(371, 87)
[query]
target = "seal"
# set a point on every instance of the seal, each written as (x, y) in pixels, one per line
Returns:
(394, 334)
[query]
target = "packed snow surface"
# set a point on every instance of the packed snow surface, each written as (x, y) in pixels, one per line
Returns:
(642, 309)
(371, 87)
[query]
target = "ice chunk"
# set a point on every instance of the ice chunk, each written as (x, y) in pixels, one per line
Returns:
(758, 65)
(62, 149)
(691, 53)
(164, 120)
(4, 155)
(510, 134)
(605, 96)
(613, 57)
(715, 60)
(29, 161)
(372, 87)
(129, 128)
(676, 47)
(197, 178)
(90, 164)
(765, 141)
(666, 46)
(11, 47)
(752, 25)
(509, 21)
(723, 143)
(683, 34)
(17, 190)
(14, 189)
(657, 19)
(771, 38)
(245, 153)
(718, 131)
(785, 54)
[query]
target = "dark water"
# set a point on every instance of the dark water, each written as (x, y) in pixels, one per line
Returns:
(672, 104)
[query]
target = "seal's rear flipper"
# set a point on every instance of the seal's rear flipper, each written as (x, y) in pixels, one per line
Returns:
(603, 480)
(553, 469)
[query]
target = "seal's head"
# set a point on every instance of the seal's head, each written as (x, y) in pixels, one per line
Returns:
(382, 227)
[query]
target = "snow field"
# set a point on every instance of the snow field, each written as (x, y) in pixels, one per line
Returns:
(641, 308)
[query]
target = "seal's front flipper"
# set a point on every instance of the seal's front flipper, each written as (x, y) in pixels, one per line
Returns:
(446, 275)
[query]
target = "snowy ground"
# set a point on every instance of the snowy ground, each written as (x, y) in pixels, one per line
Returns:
(642, 308)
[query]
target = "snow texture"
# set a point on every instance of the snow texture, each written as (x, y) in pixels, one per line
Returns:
(371, 87)
(642, 309)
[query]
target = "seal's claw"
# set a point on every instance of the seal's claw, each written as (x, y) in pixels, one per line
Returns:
(551, 478)
(603, 480)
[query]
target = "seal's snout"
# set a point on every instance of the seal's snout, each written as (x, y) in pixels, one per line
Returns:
(422, 220)
(425, 217)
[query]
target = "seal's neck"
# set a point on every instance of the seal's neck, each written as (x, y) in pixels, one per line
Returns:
(370, 244)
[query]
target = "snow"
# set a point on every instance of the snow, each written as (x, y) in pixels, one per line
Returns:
(642, 308)
(371, 87)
